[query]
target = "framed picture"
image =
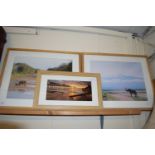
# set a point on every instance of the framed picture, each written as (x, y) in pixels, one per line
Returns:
(20, 69)
(59, 90)
(126, 81)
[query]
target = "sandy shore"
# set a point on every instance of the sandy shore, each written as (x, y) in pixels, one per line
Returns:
(21, 91)
(125, 96)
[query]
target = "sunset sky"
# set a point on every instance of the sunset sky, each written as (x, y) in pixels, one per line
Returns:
(77, 84)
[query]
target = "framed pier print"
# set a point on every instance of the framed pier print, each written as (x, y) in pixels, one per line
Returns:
(20, 68)
(59, 90)
(126, 81)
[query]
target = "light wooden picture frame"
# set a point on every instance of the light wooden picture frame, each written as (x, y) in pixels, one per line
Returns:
(20, 69)
(126, 80)
(68, 90)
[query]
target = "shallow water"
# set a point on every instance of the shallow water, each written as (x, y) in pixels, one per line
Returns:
(20, 94)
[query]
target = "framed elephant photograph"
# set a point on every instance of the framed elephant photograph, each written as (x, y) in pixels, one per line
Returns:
(126, 81)
(20, 69)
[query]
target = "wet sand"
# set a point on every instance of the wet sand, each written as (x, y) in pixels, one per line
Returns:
(125, 96)
(67, 96)
(21, 91)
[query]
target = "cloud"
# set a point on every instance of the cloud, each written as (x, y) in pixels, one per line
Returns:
(114, 69)
(122, 78)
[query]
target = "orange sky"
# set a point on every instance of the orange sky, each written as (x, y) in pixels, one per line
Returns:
(78, 86)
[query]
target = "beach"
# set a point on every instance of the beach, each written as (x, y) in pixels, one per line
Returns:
(124, 96)
(21, 91)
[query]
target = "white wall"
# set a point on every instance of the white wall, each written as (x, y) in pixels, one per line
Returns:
(152, 66)
(151, 49)
(76, 41)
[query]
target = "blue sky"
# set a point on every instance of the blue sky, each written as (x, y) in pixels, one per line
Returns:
(119, 75)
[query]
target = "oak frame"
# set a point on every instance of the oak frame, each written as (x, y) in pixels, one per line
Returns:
(123, 55)
(34, 51)
(67, 74)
